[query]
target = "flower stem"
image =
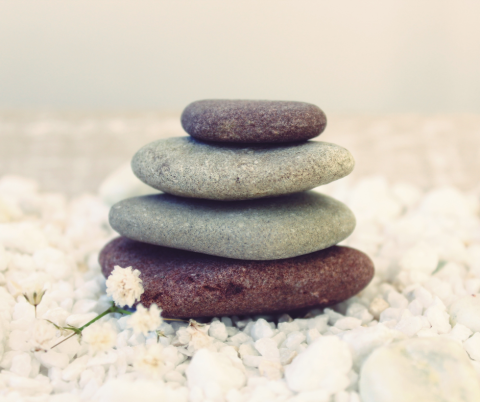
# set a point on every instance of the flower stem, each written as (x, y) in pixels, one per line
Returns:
(111, 309)
(66, 339)
(174, 319)
(121, 310)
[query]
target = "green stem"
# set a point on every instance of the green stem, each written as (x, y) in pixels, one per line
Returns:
(110, 310)
(121, 310)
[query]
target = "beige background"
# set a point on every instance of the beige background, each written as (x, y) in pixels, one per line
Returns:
(368, 56)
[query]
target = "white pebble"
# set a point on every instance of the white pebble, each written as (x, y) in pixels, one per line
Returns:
(377, 306)
(439, 319)
(320, 323)
(391, 314)
(421, 258)
(261, 329)
(359, 311)
(318, 395)
(268, 348)
(466, 311)
(77, 320)
(279, 338)
(472, 346)
(333, 316)
(460, 332)
(287, 327)
(210, 368)
(414, 370)
(312, 335)
(125, 391)
(4, 258)
(272, 369)
(247, 349)
(415, 307)
(410, 325)
(75, 368)
(294, 339)
(347, 323)
(287, 355)
(218, 330)
(84, 306)
(363, 341)
(240, 338)
(52, 359)
(323, 365)
(397, 300)
(21, 364)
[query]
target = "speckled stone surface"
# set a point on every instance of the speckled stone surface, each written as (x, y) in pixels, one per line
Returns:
(187, 284)
(191, 168)
(253, 121)
(264, 229)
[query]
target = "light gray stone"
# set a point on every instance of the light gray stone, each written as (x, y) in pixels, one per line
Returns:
(419, 369)
(187, 167)
(264, 229)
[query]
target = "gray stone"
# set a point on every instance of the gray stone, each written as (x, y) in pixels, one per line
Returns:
(190, 168)
(253, 121)
(264, 229)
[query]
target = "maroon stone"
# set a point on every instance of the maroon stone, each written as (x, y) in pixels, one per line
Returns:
(187, 284)
(253, 121)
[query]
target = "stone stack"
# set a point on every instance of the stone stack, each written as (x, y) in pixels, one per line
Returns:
(236, 230)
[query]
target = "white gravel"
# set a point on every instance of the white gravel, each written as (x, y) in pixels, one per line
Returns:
(420, 314)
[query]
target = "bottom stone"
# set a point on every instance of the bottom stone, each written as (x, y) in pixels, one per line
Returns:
(187, 284)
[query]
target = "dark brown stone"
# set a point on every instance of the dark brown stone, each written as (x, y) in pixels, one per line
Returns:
(187, 284)
(253, 121)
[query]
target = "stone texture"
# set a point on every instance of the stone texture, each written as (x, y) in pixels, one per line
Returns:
(264, 229)
(191, 168)
(253, 121)
(419, 369)
(187, 284)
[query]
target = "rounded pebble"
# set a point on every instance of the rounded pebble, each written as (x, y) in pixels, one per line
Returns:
(323, 365)
(264, 229)
(466, 311)
(253, 121)
(189, 168)
(186, 284)
(427, 370)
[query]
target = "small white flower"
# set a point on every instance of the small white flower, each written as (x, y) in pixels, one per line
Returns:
(99, 337)
(149, 361)
(198, 336)
(43, 334)
(125, 286)
(145, 320)
(33, 292)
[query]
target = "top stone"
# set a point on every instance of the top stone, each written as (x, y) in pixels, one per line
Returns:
(253, 121)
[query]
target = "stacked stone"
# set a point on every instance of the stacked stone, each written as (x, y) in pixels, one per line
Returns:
(236, 230)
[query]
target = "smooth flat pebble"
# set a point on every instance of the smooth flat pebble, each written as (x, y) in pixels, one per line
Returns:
(190, 168)
(264, 229)
(187, 284)
(427, 370)
(253, 121)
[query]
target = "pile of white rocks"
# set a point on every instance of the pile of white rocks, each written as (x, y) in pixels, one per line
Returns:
(412, 334)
